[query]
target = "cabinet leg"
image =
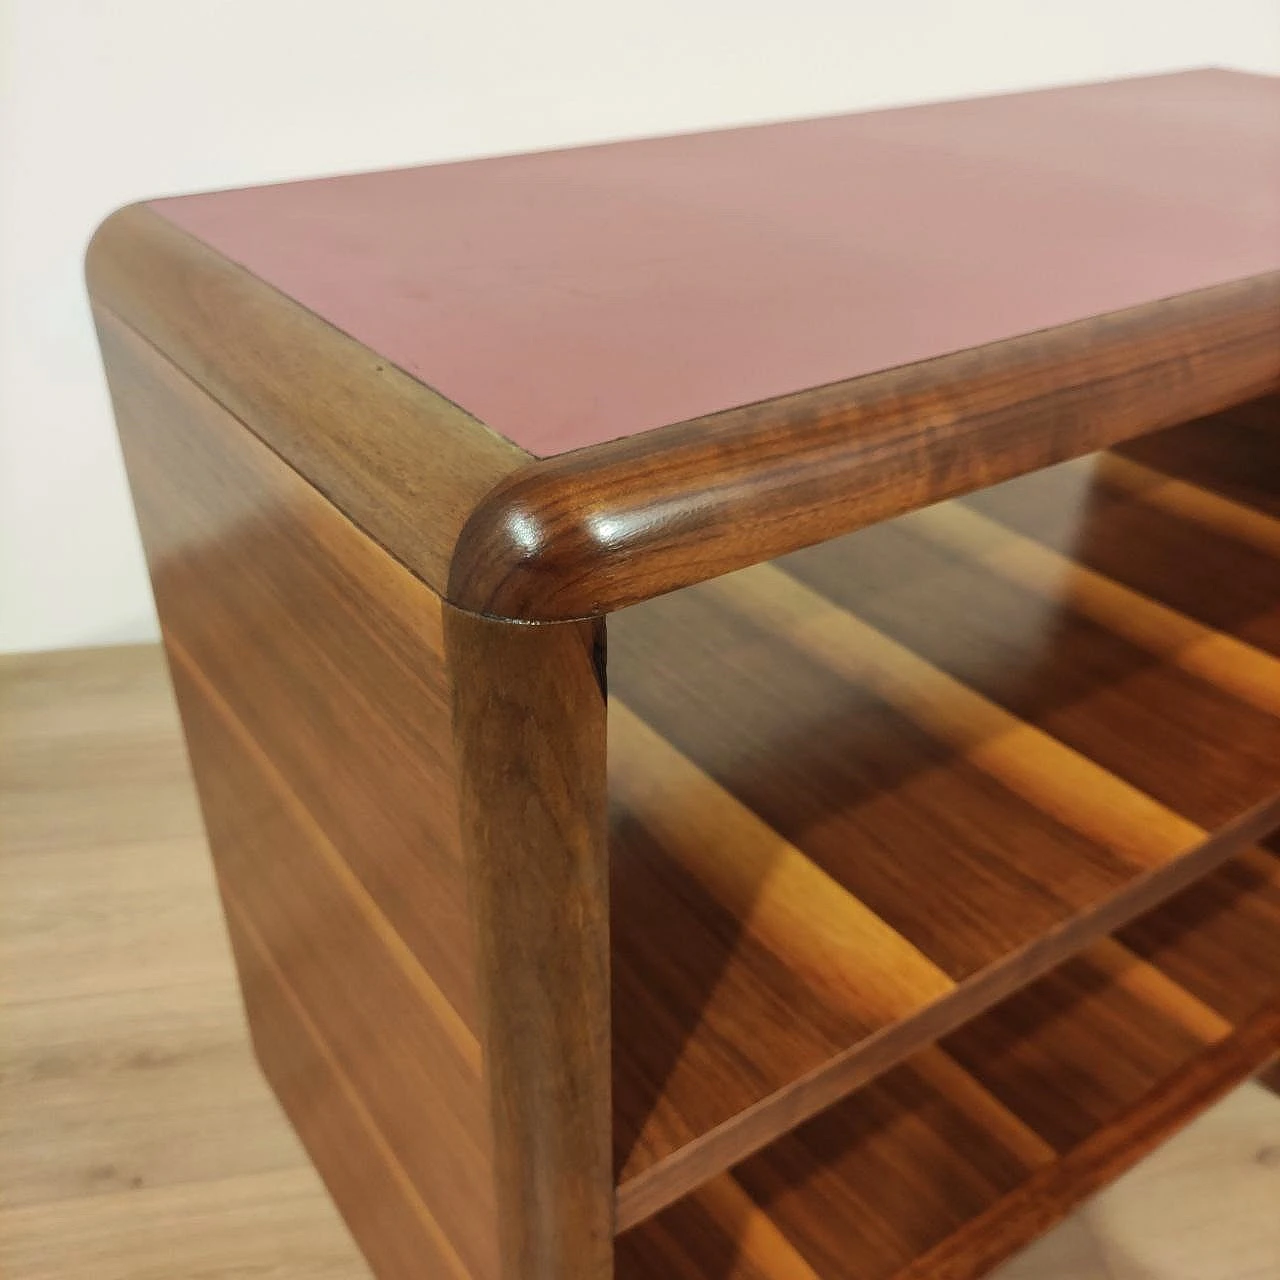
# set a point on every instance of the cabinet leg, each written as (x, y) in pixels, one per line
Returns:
(529, 732)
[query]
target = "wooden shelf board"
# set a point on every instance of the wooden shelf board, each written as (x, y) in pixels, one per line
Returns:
(959, 1156)
(862, 794)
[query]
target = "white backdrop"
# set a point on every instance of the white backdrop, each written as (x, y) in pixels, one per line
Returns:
(102, 103)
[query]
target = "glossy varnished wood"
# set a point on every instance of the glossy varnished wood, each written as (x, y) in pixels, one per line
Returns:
(864, 794)
(602, 527)
(946, 1165)
(854, 797)
(1202, 459)
(399, 461)
(139, 1139)
(310, 675)
(376, 906)
(608, 526)
(529, 710)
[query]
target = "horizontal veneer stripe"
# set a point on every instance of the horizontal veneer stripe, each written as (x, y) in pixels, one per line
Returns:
(327, 650)
(775, 891)
(1060, 781)
(1190, 502)
(242, 923)
(428, 1100)
(1234, 460)
(1157, 991)
(944, 728)
(940, 1168)
(454, 1028)
(1049, 1195)
(763, 1245)
(1230, 664)
(942, 1072)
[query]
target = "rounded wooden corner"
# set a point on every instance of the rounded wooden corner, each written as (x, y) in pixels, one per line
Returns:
(106, 237)
(602, 528)
(529, 553)
(585, 534)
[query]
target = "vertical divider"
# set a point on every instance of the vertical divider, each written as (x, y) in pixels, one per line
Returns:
(529, 712)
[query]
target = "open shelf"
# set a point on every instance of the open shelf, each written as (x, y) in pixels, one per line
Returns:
(956, 1158)
(865, 793)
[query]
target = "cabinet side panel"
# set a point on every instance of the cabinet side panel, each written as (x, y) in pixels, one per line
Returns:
(310, 674)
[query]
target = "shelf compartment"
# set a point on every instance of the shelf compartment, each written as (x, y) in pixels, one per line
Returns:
(956, 1158)
(862, 794)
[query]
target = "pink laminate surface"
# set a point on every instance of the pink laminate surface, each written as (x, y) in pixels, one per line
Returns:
(572, 297)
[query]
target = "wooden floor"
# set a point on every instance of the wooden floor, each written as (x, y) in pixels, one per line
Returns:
(137, 1140)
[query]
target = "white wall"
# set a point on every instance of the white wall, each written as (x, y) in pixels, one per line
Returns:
(103, 102)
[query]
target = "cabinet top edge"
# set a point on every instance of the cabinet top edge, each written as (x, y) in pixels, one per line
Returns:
(575, 297)
(499, 532)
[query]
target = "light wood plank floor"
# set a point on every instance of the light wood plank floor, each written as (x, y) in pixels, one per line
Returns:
(137, 1140)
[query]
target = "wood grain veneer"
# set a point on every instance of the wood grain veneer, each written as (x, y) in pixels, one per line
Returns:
(338, 767)
(399, 461)
(539, 871)
(946, 1165)
(872, 764)
(862, 794)
(608, 526)
(139, 1137)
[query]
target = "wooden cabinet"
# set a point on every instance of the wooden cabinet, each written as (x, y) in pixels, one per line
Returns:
(734, 680)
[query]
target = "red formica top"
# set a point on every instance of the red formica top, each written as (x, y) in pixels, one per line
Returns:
(568, 298)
